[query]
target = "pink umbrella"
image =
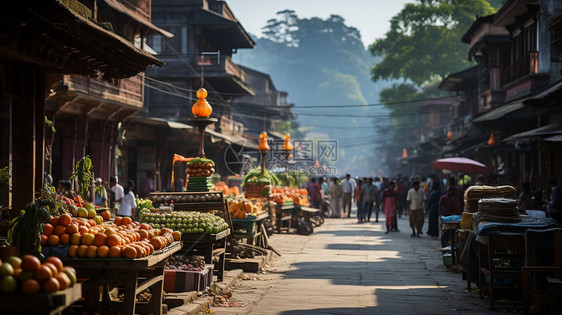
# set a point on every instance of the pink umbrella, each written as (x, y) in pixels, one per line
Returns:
(461, 164)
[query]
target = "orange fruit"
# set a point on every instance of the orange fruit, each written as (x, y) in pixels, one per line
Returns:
(114, 252)
(54, 269)
(30, 286)
(144, 226)
(44, 239)
(64, 280)
(65, 219)
(92, 222)
(92, 251)
(87, 239)
(65, 239)
(54, 221)
(75, 238)
(73, 251)
(53, 240)
(56, 262)
(103, 251)
(176, 235)
(156, 242)
(82, 229)
(48, 229)
(109, 231)
(129, 252)
(100, 239)
(60, 230)
(113, 240)
(151, 248)
(72, 228)
(43, 273)
(82, 250)
(106, 215)
(30, 263)
(52, 285)
(143, 234)
(118, 221)
(126, 220)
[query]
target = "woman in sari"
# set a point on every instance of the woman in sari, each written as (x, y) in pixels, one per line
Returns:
(389, 204)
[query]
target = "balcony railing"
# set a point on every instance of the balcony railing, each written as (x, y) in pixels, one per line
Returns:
(524, 66)
(221, 65)
(127, 91)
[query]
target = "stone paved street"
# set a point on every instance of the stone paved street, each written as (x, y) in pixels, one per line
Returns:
(350, 268)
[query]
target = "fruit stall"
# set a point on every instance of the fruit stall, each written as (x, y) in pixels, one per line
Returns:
(205, 222)
(248, 220)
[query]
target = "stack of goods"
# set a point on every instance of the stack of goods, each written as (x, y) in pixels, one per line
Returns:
(474, 193)
(29, 276)
(258, 184)
(188, 222)
(200, 171)
(120, 238)
(143, 205)
(187, 274)
(242, 208)
(296, 195)
(498, 210)
(227, 191)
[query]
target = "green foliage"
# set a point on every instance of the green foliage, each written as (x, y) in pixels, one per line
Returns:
(5, 175)
(83, 174)
(255, 176)
(425, 40)
(25, 230)
(292, 179)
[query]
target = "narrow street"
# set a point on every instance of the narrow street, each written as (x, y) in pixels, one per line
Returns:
(350, 268)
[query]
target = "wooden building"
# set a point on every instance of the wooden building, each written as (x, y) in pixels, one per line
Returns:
(41, 42)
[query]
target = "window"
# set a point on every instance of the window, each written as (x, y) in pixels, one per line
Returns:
(555, 29)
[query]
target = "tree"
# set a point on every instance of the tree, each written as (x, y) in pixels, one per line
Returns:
(424, 40)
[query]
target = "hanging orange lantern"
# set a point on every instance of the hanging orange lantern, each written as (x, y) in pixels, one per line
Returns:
(404, 153)
(201, 108)
(492, 141)
(449, 135)
(287, 146)
(263, 142)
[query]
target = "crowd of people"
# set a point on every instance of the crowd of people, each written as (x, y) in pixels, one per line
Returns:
(435, 197)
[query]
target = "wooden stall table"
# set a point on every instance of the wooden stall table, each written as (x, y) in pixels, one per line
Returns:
(285, 213)
(451, 228)
(135, 275)
(41, 303)
(253, 227)
(211, 245)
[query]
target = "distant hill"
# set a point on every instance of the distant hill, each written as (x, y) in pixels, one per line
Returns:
(322, 63)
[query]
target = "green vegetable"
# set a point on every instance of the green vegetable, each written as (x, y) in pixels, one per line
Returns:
(255, 176)
(25, 230)
(201, 160)
(84, 176)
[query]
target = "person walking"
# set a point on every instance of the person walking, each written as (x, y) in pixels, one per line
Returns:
(368, 199)
(432, 207)
(390, 204)
(347, 188)
(116, 193)
(336, 194)
(416, 199)
(359, 201)
(128, 207)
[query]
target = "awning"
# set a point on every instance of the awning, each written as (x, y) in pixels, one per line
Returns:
(538, 133)
(499, 112)
(229, 84)
(225, 29)
(160, 122)
(232, 139)
(546, 93)
(454, 80)
(78, 45)
(153, 29)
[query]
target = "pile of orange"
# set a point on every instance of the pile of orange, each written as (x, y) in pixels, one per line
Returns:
(31, 276)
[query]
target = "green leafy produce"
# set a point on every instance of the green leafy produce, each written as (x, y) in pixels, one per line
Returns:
(25, 230)
(83, 174)
(143, 205)
(188, 222)
(256, 176)
(201, 160)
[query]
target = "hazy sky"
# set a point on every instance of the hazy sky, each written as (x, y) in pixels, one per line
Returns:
(369, 16)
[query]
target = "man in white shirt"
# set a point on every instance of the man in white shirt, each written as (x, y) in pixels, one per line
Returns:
(347, 188)
(416, 200)
(117, 192)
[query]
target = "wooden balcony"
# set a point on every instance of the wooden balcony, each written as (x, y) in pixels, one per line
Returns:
(523, 67)
(140, 7)
(126, 91)
(224, 64)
